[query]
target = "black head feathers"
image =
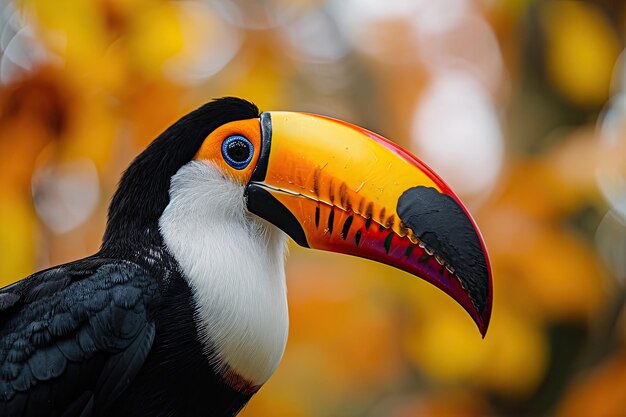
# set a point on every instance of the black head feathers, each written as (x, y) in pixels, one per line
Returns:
(143, 192)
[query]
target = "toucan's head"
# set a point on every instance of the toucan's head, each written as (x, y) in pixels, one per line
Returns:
(326, 183)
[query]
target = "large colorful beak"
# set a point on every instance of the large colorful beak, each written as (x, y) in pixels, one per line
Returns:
(337, 187)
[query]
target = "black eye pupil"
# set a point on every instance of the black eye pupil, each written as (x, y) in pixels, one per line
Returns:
(238, 150)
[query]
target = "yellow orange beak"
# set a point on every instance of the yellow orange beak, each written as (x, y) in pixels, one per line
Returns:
(337, 187)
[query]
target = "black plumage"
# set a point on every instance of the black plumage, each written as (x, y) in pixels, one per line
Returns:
(90, 316)
(114, 334)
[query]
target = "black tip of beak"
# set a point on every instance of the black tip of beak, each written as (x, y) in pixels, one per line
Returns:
(440, 222)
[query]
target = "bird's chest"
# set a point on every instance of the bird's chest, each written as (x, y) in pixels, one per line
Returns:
(241, 316)
(237, 284)
(234, 266)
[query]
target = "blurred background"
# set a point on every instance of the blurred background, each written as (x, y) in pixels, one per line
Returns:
(520, 106)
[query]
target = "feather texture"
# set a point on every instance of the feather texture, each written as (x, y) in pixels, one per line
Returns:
(73, 317)
(234, 264)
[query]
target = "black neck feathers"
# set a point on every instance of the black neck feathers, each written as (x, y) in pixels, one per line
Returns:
(143, 192)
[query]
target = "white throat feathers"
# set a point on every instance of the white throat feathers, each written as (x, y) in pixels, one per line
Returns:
(234, 264)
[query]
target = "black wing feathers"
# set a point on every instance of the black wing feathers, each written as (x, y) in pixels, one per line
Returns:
(73, 337)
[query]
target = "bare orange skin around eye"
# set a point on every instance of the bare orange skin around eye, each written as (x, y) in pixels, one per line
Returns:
(211, 149)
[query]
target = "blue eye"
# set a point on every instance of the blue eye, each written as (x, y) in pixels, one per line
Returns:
(237, 151)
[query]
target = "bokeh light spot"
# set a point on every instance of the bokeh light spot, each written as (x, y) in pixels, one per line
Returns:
(457, 132)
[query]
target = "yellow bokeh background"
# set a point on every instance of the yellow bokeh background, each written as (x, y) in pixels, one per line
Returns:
(520, 105)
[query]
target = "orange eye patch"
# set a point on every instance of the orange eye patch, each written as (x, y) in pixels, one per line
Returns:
(234, 147)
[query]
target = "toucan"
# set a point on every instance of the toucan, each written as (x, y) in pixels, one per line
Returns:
(183, 311)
